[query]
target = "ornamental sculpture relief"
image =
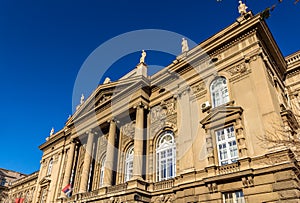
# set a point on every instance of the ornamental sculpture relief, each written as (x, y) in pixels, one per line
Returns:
(166, 108)
(199, 89)
(165, 198)
(128, 129)
(163, 115)
(241, 68)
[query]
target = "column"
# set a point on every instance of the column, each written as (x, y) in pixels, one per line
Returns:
(110, 155)
(69, 164)
(86, 163)
(138, 143)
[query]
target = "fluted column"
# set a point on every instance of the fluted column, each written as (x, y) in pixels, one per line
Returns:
(69, 164)
(138, 143)
(110, 155)
(86, 163)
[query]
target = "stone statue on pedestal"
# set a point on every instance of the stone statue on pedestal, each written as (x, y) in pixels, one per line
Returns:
(81, 99)
(184, 45)
(107, 80)
(52, 131)
(242, 8)
(142, 59)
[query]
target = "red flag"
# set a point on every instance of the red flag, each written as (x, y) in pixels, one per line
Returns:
(17, 200)
(21, 200)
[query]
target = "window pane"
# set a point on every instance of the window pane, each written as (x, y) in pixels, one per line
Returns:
(165, 156)
(129, 164)
(234, 197)
(219, 92)
(227, 145)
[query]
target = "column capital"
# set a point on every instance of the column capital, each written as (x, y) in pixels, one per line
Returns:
(91, 131)
(114, 120)
(141, 105)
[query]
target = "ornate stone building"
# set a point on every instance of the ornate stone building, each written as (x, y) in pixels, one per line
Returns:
(193, 132)
(6, 178)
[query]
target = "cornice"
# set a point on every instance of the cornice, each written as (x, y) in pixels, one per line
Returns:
(25, 179)
(293, 58)
(53, 139)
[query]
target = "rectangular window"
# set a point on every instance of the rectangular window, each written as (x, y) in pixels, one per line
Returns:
(43, 195)
(227, 146)
(234, 197)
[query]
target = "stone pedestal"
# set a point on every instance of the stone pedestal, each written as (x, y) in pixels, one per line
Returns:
(142, 69)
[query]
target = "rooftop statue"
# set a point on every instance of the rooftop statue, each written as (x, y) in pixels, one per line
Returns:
(106, 80)
(52, 131)
(142, 59)
(81, 99)
(184, 45)
(242, 8)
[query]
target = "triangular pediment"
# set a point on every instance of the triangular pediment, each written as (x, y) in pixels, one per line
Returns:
(221, 115)
(45, 180)
(105, 93)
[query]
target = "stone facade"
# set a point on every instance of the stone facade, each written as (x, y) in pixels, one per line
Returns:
(193, 132)
(6, 178)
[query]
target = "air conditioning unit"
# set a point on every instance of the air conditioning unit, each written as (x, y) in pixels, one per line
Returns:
(205, 106)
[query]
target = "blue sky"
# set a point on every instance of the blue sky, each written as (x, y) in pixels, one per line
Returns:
(43, 44)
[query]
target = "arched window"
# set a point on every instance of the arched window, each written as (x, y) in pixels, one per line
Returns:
(50, 165)
(219, 92)
(129, 163)
(165, 156)
(102, 169)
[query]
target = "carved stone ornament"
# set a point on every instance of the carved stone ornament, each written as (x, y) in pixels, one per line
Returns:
(165, 198)
(157, 126)
(241, 68)
(212, 187)
(128, 129)
(198, 87)
(170, 106)
(157, 113)
(160, 112)
(247, 181)
(104, 98)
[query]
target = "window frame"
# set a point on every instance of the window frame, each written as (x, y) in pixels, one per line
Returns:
(168, 151)
(229, 138)
(128, 173)
(102, 171)
(235, 198)
(222, 92)
(50, 166)
(43, 197)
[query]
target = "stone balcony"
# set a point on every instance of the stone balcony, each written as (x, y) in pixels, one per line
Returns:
(162, 185)
(229, 168)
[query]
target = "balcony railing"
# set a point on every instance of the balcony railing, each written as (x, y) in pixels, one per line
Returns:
(229, 168)
(99, 192)
(117, 188)
(166, 184)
